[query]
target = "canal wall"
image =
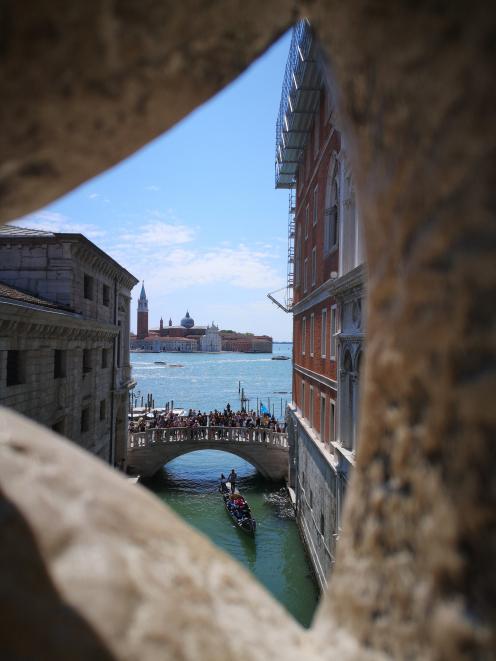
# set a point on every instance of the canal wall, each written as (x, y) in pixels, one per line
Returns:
(319, 476)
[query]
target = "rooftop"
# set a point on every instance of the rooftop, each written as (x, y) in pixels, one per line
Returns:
(13, 230)
(23, 233)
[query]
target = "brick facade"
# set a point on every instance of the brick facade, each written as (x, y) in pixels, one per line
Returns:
(328, 299)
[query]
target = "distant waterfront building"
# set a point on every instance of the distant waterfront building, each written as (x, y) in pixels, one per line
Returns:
(246, 342)
(190, 337)
(64, 337)
(211, 341)
(326, 294)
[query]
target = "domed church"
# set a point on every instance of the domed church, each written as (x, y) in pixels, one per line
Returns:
(187, 321)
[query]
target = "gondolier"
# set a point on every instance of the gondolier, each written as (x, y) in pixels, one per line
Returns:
(232, 478)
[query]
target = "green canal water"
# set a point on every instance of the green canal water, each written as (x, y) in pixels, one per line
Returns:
(276, 556)
(189, 484)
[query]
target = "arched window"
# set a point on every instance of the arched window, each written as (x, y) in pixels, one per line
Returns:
(331, 216)
(356, 398)
(298, 257)
(347, 401)
(348, 230)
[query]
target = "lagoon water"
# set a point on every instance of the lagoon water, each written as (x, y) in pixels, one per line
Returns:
(188, 484)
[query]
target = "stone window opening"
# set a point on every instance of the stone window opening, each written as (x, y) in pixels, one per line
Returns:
(331, 214)
(103, 409)
(119, 343)
(305, 275)
(16, 367)
(87, 366)
(314, 266)
(312, 334)
(106, 295)
(333, 331)
(350, 252)
(59, 363)
(323, 333)
(323, 419)
(303, 335)
(297, 275)
(332, 418)
(105, 361)
(322, 524)
(311, 406)
(347, 401)
(88, 287)
(307, 220)
(315, 205)
(85, 420)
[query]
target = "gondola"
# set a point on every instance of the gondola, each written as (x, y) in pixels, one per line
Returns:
(241, 517)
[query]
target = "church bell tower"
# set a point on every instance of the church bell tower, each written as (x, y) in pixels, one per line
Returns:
(142, 314)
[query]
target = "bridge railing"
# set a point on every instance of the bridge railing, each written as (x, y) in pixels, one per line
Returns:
(254, 436)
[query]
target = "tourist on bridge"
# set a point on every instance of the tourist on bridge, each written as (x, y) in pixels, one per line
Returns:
(232, 479)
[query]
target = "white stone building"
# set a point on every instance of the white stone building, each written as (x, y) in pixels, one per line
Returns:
(64, 337)
(212, 340)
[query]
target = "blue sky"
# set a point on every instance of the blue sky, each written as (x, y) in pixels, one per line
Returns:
(194, 213)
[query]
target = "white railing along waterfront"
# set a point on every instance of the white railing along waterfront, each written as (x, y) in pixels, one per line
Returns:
(253, 436)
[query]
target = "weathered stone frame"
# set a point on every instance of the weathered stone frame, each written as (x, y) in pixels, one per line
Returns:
(414, 575)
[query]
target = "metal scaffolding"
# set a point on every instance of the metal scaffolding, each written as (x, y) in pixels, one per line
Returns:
(287, 304)
(299, 101)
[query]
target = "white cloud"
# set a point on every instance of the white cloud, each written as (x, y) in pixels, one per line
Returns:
(156, 234)
(53, 221)
(93, 196)
(239, 267)
(152, 188)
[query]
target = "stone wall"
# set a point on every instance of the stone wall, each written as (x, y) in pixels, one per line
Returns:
(320, 483)
(42, 268)
(58, 401)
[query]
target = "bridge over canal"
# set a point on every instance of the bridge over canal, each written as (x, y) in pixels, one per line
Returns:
(266, 450)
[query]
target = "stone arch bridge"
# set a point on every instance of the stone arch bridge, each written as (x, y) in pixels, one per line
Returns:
(266, 450)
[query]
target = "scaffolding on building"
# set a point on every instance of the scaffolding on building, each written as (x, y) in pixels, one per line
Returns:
(287, 304)
(299, 100)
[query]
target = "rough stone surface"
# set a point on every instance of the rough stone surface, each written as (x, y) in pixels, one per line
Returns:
(87, 557)
(84, 85)
(415, 572)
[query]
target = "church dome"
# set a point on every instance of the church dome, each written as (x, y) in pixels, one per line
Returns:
(187, 321)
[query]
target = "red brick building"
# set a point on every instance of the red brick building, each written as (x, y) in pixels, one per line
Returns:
(325, 294)
(142, 326)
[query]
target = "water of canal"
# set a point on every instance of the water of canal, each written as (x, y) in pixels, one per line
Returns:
(276, 556)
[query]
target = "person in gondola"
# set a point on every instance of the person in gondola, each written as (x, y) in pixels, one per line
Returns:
(223, 484)
(232, 479)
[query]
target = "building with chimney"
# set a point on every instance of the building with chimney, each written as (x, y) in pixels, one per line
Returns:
(64, 337)
(325, 293)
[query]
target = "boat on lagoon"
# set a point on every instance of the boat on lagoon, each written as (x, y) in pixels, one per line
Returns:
(280, 358)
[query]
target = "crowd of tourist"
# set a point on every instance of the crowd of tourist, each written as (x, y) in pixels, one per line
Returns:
(195, 419)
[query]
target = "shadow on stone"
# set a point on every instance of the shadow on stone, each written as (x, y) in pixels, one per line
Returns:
(36, 622)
